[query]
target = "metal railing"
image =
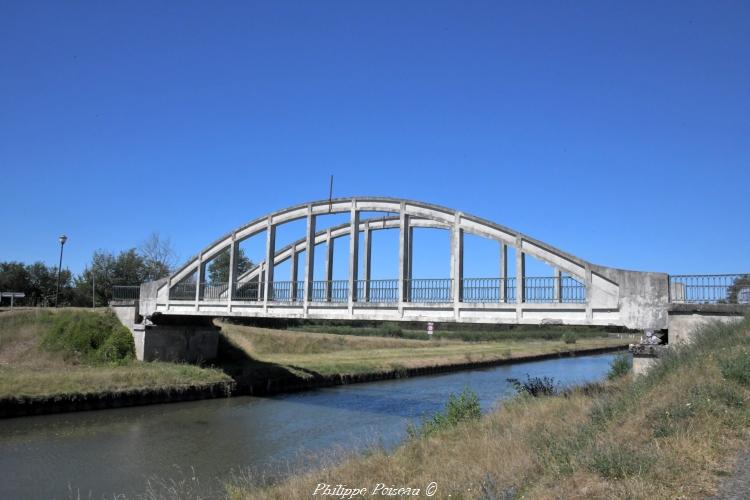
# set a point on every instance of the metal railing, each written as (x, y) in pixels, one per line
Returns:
(379, 291)
(213, 292)
(252, 291)
(553, 289)
(287, 291)
(182, 291)
(709, 288)
(489, 290)
(428, 290)
(131, 292)
(330, 291)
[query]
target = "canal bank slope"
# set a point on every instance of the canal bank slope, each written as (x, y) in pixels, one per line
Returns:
(266, 361)
(673, 433)
(37, 378)
(73, 359)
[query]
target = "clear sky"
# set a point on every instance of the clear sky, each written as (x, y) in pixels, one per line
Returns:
(617, 131)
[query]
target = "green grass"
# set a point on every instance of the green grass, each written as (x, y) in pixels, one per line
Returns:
(48, 353)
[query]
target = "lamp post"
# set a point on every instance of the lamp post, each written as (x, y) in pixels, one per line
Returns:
(62, 239)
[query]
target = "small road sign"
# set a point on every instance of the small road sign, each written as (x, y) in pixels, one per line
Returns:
(430, 327)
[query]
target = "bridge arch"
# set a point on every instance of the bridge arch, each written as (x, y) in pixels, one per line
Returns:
(597, 299)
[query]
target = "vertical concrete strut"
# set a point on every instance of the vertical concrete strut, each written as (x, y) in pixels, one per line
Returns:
(293, 274)
(589, 280)
(520, 276)
(403, 252)
(503, 272)
(199, 279)
(270, 252)
(232, 271)
(457, 263)
(329, 266)
(557, 294)
(309, 256)
(353, 254)
(366, 263)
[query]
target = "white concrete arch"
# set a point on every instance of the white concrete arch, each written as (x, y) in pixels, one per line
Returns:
(609, 293)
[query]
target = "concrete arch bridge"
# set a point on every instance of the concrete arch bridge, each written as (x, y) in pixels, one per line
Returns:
(577, 291)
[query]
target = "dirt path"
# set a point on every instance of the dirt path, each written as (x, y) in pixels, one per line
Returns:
(737, 486)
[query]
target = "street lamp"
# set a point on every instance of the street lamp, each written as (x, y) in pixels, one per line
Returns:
(62, 239)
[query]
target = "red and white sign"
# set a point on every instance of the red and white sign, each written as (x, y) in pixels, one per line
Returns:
(430, 327)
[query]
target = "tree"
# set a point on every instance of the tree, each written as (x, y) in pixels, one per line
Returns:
(740, 284)
(218, 269)
(158, 257)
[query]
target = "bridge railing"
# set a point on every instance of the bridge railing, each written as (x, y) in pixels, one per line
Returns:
(709, 288)
(377, 291)
(563, 289)
(489, 290)
(330, 291)
(428, 290)
(126, 292)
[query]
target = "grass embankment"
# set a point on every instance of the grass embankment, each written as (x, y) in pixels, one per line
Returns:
(335, 354)
(45, 353)
(670, 434)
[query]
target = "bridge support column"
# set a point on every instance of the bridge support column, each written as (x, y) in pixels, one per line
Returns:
(366, 263)
(403, 260)
(309, 257)
(232, 271)
(503, 272)
(589, 292)
(293, 274)
(457, 264)
(270, 253)
(520, 278)
(200, 277)
(329, 266)
(353, 256)
(557, 292)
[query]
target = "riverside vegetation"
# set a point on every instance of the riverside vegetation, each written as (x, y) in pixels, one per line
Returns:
(68, 352)
(672, 433)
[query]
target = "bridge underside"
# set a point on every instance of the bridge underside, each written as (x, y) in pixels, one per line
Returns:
(577, 293)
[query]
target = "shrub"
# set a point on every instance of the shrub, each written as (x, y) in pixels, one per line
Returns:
(88, 337)
(535, 386)
(569, 337)
(736, 367)
(620, 366)
(463, 407)
(392, 330)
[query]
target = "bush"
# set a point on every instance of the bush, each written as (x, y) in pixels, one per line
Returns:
(619, 367)
(463, 407)
(535, 386)
(88, 337)
(569, 337)
(736, 367)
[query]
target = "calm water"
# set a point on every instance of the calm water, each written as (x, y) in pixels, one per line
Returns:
(101, 453)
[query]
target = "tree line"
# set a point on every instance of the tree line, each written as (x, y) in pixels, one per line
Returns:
(152, 260)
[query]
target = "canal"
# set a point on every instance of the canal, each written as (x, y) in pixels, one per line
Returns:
(108, 452)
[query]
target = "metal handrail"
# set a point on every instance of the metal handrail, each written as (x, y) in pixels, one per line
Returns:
(709, 288)
(428, 290)
(126, 292)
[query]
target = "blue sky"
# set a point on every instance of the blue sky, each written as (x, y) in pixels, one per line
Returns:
(617, 131)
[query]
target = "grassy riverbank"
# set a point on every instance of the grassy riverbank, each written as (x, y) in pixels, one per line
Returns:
(306, 353)
(33, 367)
(670, 434)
